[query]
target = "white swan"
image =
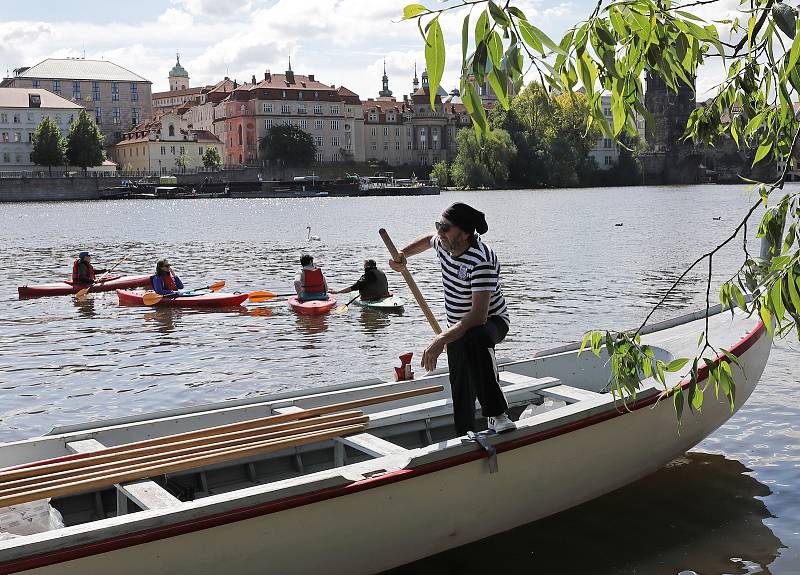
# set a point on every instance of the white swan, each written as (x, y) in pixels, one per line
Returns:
(312, 238)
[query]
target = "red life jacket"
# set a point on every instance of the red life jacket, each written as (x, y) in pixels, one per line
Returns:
(313, 281)
(89, 270)
(169, 282)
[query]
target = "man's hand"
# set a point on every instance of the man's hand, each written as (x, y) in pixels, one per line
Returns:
(432, 353)
(398, 266)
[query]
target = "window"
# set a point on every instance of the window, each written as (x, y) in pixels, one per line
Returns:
(267, 124)
(6, 157)
(98, 114)
(318, 141)
(4, 118)
(95, 91)
(303, 124)
(606, 143)
(385, 145)
(334, 109)
(335, 125)
(319, 124)
(57, 86)
(266, 108)
(76, 90)
(317, 108)
(318, 156)
(114, 92)
(134, 92)
(134, 116)
(374, 146)
(163, 150)
(200, 150)
(183, 150)
(283, 95)
(409, 145)
(397, 132)
(334, 140)
(373, 131)
(172, 150)
(607, 111)
(301, 108)
(115, 118)
(171, 130)
(285, 109)
(30, 137)
(17, 137)
(386, 131)
(408, 132)
(16, 118)
(608, 161)
(373, 117)
(397, 145)
(18, 157)
(30, 116)
(58, 118)
(36, 84)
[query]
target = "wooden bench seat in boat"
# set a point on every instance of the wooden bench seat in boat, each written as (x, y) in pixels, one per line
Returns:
(555, 390)
(146, 494)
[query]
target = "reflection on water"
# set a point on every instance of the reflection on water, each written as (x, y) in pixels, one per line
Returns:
(702, 512)
(565, 268)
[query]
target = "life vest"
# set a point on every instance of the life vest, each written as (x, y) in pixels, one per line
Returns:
(89, 270)
(169, 282)
(313, 281)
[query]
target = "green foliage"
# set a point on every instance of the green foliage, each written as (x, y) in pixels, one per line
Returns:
(85, 143)
(441, 173)
(482, 160)
(211, 158)
(288, 146)
(49, 146)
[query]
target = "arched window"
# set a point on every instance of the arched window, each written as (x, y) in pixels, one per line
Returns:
(171, 130)
(240, 137)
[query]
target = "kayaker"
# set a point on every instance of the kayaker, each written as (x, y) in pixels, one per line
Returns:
(372, 286)
(309, 283)
(165, 282)
(476, 315)
(83, 271)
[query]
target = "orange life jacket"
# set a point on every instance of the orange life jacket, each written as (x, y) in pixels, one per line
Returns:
(169, 282)
(313, 281)
(89, 270)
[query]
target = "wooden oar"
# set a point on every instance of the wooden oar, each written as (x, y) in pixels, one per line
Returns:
(80, 293)
(152, 298)
(34, 467)
(412, 285)
(173, 465)
(259, 296)
(343, 308)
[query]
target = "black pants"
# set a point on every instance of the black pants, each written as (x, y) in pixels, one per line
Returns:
(473, 373)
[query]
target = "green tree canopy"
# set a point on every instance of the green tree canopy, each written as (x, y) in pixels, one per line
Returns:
(211, 158)
(441, 173)
(49, 146)
(85, 143)
(288, 145)
(483, 160)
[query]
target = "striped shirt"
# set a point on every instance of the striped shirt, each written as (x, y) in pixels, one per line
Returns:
(475, 270)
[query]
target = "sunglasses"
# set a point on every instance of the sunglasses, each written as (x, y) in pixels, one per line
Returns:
(443, 227)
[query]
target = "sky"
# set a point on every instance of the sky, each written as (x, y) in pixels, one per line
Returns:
(341, 42)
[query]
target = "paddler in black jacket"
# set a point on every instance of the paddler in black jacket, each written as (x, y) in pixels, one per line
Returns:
(82, 270)
(372, 286)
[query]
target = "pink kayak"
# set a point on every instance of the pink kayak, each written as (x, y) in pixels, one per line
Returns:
(67, 287)
(212, 299)
(313, 307)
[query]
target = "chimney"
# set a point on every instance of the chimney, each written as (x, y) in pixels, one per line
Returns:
(235, 84)
(254, 80)
(227, 78)
(311, 77)
(268, 76)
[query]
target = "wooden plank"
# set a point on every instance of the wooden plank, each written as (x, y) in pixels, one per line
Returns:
(371, 444)
(518, 382)
(146, 494)
(570, 394)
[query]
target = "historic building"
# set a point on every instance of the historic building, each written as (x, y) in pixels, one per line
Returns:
(158, 146)
(606, 152)
(333, 116)
(116, 97)
(21, 112)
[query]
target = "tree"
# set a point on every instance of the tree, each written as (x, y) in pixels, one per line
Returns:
(610, 52)
(441, 173)
(49, 146)
(288, 145)
(85, 143)
(211, 158)
(482, 160)
(182, 162)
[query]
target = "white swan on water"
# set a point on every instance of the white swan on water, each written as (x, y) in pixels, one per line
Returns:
(312, 238)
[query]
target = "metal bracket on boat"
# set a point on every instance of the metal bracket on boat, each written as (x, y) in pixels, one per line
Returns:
(491, 454)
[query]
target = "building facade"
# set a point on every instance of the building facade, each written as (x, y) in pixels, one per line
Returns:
(21, 112)
(333, 116)
(115, 97)
(606, 152)
(158, 145)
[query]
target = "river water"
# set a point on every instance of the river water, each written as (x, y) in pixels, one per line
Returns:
(731, 505)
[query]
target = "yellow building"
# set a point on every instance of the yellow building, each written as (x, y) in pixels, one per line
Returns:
(163, 146)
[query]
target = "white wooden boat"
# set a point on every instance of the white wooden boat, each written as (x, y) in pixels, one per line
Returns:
(404, 489)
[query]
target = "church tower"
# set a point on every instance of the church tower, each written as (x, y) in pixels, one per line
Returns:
(415, 83)
(178, 76)
(386, 92)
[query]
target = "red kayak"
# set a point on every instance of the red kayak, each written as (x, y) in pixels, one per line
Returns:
(211, 299)
(313, 307)
(68, 287)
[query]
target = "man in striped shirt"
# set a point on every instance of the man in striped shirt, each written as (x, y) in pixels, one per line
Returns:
(476, 315)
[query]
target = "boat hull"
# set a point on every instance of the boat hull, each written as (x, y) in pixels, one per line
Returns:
(314, 307)
(67, 288)
(214, 299)
(392, 303)
(427, 505)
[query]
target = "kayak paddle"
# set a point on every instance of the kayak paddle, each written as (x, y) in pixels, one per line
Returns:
(80, 293)
(152, 298)
(343, 308)
(259, 296)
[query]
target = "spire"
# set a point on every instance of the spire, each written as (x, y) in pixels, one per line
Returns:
(290, 62)
(386, 92)
(415, 83)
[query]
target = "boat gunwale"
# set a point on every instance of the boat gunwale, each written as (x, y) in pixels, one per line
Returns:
(242, 513)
